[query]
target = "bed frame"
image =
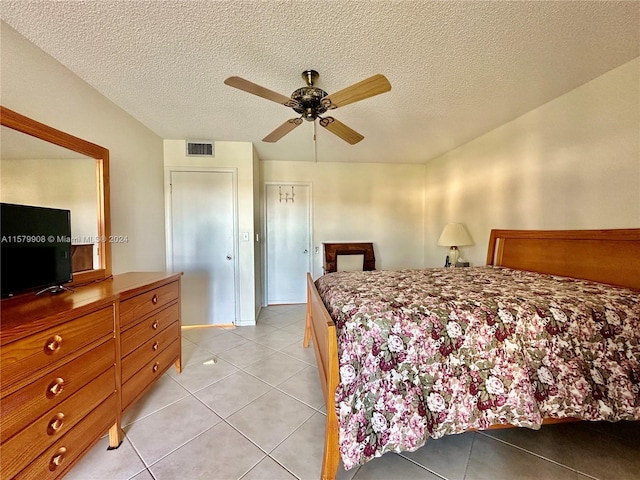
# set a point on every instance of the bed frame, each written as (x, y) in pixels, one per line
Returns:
(607, 256)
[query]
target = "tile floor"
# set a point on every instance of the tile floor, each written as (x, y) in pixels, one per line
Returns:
(248, 405)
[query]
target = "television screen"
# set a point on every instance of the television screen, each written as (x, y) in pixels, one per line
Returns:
(35, 248)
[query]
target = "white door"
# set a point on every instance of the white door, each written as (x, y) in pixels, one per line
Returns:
(202, 245)
(288, 237)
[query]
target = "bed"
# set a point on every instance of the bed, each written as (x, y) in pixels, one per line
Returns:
(594, 262)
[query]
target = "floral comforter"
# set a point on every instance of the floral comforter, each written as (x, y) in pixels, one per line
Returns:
(427, 353)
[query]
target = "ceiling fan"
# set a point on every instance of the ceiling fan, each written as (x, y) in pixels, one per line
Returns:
(311, 102)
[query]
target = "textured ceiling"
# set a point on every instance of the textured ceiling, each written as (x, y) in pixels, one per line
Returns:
(457, 69)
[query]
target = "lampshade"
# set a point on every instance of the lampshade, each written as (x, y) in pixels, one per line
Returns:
(454, 234)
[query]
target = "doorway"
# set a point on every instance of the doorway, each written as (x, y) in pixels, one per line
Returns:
(288, 242)
(202, 244)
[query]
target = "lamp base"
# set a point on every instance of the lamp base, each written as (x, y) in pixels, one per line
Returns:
(454, 254)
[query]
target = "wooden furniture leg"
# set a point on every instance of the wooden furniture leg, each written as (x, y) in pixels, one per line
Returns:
(115, 436)
(331, 456)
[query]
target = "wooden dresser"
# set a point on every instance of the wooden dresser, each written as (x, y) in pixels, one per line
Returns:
(72, 363)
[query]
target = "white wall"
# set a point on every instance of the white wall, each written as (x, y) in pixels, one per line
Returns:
(380, 203)
(241, 157)
(34, 84)
(573, 163)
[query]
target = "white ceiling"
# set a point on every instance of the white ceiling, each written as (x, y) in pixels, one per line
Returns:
(457, 69)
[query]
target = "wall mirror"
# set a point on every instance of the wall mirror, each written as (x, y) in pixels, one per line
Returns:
(43, 166)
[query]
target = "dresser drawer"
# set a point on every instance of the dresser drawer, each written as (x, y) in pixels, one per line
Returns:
(150, 349)
(58, 457)
(39, 351)
(147, 328)
(149, 373)
(21, 407)
(39, 435)
(137, 307)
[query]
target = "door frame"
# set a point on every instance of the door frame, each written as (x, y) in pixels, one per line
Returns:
(169, 223)
(265, 260)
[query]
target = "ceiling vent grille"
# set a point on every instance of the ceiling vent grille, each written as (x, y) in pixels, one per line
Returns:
(199, 149)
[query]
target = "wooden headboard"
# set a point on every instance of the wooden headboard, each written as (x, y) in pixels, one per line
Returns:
(332, 250)
(607, 256)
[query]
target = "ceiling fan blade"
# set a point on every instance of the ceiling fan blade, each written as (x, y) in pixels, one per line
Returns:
(282, 130)
(255, 89)
(359, 91)
(341, 130)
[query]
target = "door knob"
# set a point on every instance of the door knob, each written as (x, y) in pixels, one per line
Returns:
(306, 250)
(228, 257)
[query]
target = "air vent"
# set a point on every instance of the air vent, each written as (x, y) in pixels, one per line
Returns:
(199, 149)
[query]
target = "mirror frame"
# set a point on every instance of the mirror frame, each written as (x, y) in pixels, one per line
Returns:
(21, 123)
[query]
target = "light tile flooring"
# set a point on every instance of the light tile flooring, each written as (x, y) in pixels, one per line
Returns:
(248, 405)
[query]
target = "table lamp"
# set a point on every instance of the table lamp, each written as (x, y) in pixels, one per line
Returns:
(454, 235)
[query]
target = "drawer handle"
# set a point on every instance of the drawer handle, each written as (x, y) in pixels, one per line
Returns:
(155, 367)
(154, 325)
(57, 459)
(155, 346)
(55, 424)
(55, 388)
(52, 344)
(154, 299)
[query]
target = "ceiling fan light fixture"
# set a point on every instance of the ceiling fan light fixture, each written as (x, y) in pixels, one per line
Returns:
(310, 114)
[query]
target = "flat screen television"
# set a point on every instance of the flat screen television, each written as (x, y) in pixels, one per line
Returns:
(35, 248)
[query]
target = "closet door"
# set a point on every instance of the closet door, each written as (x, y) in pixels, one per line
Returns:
(202, 245)
(288, 238)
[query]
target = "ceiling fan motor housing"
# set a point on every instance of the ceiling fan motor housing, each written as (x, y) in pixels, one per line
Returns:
(309, 102)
